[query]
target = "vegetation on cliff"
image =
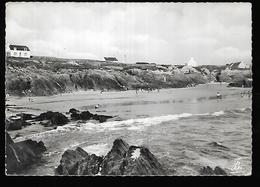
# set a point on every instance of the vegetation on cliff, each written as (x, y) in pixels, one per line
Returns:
(41, 76)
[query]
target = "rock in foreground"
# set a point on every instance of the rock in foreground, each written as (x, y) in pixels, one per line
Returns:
(122, 159)
(22, 154)
(209, 171)
(78, 162)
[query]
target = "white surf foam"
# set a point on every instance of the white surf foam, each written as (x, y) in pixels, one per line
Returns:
(218, 113)
(136, 154)
(97, 149)
(138, 124)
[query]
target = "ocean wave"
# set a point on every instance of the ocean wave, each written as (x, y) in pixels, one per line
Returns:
(97, 149)
(219, 113)
(138, 124)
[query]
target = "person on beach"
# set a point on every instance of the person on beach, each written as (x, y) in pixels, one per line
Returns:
(97, 106)
(219, 96)
(249, 93)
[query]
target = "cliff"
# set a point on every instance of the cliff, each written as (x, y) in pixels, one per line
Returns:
(40, 76)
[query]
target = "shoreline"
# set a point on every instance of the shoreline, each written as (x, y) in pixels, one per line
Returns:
(36, 128)
(91, 91)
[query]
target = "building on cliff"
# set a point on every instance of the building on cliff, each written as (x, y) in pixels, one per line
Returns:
(238, 65)
(110, 59)
(192, 62)
(18, 51)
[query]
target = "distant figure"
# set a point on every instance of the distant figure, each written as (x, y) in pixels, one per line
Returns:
(241, 94)
(102, 90)
(158, 90)
(249, 93)
(219, 96)
(97, 106)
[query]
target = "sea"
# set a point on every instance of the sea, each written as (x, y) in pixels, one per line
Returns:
(185, 128)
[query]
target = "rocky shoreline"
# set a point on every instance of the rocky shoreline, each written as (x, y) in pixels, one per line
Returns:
(51, 119)
(121, 160)
(21, 155)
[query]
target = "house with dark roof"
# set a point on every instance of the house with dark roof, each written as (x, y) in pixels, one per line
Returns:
(18, 51)
(238, 65)
(110, 59)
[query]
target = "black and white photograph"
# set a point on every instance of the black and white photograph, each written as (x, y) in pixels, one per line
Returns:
(128, 89)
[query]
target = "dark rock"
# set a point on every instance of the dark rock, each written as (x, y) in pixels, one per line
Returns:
(75, 116)
(25, 116)
(78, 162)
(16, 125)
(55, 118)
(73, 111)
(133, 160)
(219, 171)
(11, 125)
(8, 139)
(86, 115)
(22, 154)
(113, 160)
(209, 171)
(101, 118)
(59, 119)
(18, 121)
(122, 159)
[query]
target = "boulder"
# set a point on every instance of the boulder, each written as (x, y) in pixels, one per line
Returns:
(25, 116)
(11, 125)
(15, 124)
(122, 159)
(130, 160)
(101, 118)
(209, 171)
(113, 162)
(86, 115)
(78, 162)
(73, 111)
(22, 154)
(55, 118)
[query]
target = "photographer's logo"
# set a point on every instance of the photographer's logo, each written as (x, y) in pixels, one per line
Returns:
(237, 165)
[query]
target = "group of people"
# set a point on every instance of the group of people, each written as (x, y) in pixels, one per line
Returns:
(249, 93)
(147, 89)
(242, 94)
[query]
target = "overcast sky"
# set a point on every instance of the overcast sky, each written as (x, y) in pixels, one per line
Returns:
(165, 33)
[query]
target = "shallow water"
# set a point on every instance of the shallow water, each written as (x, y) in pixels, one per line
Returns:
(186, 128)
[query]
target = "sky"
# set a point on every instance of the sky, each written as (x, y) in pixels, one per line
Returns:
(163, 33)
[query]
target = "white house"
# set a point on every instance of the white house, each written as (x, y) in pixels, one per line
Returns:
(238, 65)
(189, 69)
(243, 65)
(18, 51)
(192, 62)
